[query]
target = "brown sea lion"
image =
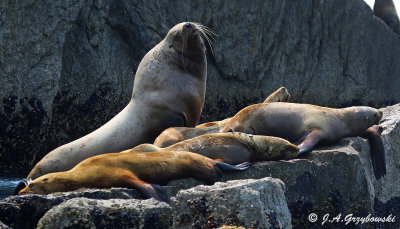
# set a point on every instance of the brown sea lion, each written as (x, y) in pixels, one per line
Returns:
(132, 170)
(169, 90)
(232, 148)
(385, 10)
(176, 134)
(310, 125)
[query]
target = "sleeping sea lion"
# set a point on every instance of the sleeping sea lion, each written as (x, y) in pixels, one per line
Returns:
(173, 135)
(132, 170)
(232, 148)
(308, 125)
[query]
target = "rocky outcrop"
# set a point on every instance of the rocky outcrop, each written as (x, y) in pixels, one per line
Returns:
(203, 206)
(247, 203)
(66, 67)
(114, 213)
(25, 211)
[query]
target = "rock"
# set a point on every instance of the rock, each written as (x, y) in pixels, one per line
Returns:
(3, 226)
(25, 211)
(114, 213)
(247, 203)
(70, 68)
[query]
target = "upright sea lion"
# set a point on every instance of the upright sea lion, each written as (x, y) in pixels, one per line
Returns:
(173, 135)
(132, 170)
(232, 148)
(310, 125)
(169, 90)
(385, 10)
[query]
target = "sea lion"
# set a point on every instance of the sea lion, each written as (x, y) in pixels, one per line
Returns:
(169, 90)
(385, 10)
(308, 125)
(132, 170)
(232, 148)
(173, 135)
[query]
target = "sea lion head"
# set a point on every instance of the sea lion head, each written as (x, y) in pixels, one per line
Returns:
(46, 184)
(169, 137)
(186, 38)
(274, 147)
(362, 117)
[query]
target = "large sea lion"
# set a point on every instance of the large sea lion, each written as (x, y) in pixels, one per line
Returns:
(385, 10)
(132, 170)
(173, 135)
(169, 90)
(308, 125)
(232, 148)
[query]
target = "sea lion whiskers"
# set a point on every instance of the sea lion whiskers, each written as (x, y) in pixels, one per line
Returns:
(207, 33)
(208, 30)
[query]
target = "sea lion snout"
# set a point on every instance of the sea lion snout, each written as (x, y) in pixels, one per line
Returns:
(188, 25)
(380, 114)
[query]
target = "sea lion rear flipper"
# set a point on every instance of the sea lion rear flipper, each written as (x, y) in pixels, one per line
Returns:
(226, 166)
(19, 187)
(309, 142)
(377, 150)
(148, 190)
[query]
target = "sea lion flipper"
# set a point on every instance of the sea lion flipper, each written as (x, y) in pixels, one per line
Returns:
(21, 185)
(309, 142)
(280, 95)
(377, 150)
(226, 166)
(148, 190)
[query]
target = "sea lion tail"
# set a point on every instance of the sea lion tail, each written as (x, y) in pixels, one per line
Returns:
(239, 167)
(377, 150)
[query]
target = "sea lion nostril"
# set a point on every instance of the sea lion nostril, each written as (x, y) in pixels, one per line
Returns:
(188, 25)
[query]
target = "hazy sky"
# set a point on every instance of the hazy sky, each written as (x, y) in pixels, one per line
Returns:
(396, 3)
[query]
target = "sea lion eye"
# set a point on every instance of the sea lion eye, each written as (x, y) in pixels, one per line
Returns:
(31, 185)
(188, 25)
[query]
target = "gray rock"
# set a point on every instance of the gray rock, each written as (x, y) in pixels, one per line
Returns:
(3, 226)
(25, 211)
(67, 70)
(248, 203)
(114, 213)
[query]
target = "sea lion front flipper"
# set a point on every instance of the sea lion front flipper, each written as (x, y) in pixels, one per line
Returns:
(377, 150)
(148, 190)
(309, 142)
